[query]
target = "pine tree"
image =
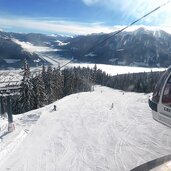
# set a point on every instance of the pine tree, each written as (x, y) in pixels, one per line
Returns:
(39, 91)
(50, 85)
(57, 81)
(94, 75)
(26, 98)
(68, 81)
(44, 74)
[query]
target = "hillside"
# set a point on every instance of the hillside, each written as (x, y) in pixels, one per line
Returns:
(15, 47)
(87, 132)
(141, 47)
(12, 55)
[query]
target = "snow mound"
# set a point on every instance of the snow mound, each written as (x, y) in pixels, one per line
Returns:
(102, 130)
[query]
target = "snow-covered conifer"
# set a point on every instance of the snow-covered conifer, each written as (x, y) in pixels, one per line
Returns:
(26, 98)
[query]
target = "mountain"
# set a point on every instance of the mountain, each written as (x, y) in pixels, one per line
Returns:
(141, 47)
(38, 39)
(12, 53)
(82, 136)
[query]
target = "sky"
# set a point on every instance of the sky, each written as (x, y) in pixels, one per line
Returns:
(80, 16)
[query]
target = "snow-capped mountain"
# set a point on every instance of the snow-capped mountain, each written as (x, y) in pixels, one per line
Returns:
(39, 39)
(141, 47)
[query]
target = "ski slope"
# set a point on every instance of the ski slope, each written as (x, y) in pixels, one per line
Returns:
(10, 141)
(104, 130)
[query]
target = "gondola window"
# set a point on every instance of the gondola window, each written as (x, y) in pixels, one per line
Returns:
(158, 88)
(166, 99)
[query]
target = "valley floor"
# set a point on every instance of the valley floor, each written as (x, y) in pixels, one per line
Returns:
(94, 131)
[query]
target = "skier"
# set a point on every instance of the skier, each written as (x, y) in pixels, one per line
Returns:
(54, 107)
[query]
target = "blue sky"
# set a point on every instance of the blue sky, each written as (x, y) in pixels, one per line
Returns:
(78, 16)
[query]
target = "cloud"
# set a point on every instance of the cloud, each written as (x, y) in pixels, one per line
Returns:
(55, 26)
(137, 8)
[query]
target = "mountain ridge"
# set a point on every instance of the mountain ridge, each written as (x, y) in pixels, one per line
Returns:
(140, 47)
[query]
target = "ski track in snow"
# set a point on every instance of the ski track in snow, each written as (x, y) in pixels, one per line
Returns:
(87, 134)
(10, 141)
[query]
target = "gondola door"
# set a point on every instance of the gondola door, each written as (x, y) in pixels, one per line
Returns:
(164, 106)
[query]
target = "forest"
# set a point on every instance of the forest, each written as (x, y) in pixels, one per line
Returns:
(51, 84)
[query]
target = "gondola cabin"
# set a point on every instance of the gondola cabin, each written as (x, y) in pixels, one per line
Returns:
(160, 101)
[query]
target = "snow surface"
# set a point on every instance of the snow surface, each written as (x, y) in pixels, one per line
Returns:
(102, 130)
(10, 141)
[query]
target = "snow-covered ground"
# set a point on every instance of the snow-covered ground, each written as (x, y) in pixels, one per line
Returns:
(107, 130)
(10, 141)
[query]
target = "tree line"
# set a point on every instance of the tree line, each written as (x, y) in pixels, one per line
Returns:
(135, 82)
(51, 84)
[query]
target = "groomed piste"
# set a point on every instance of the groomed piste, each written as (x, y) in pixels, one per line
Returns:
(103, 130)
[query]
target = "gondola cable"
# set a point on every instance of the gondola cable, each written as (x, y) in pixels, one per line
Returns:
(119, 31)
